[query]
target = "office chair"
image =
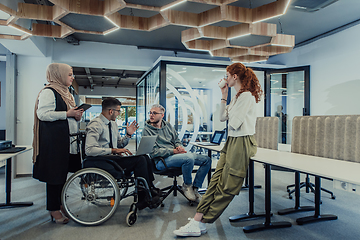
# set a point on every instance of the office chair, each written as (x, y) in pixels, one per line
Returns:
(309, 186)
(171, 172)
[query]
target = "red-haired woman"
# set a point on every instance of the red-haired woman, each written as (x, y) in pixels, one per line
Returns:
(240, 145)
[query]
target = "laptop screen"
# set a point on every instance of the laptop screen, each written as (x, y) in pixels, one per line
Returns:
(217, 137)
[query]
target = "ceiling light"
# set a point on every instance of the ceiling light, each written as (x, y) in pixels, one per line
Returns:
(300, 7)
(239, 36)
(112, 21)
(269, 18)
(280, 45)
(166, 8)
(287, 6)
(111, 30)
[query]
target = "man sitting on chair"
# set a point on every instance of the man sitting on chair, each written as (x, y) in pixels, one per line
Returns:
(103, 141)
(169, 147)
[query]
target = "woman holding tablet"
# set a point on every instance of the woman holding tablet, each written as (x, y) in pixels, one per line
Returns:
(55, 152)
(240, 145)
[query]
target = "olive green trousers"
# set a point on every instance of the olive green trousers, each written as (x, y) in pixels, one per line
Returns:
(228, 177)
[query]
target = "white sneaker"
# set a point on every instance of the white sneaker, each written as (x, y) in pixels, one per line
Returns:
(203, 229)
(189, 192)
(192, 229)
(197, 195)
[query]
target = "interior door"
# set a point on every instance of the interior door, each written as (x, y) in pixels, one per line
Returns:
(289, 97)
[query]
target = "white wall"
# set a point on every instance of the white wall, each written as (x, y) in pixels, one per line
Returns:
(334, 74)
(91, 54)
(2, 94)
(30, 80)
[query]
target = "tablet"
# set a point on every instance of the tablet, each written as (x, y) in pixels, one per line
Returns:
(84, 106)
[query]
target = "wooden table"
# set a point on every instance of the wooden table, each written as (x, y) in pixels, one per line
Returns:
(8, 157)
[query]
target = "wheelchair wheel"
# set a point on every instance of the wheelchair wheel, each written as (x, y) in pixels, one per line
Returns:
(90, 196)
(131, 218)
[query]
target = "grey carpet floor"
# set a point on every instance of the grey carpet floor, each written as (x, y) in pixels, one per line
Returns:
(34, 222)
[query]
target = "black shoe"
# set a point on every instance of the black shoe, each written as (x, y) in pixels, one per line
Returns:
(156, 201)
(157, 192)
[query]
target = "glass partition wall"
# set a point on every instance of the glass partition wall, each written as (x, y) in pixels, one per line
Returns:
(190, 94)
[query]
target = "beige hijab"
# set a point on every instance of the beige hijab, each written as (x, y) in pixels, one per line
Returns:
(56, 75)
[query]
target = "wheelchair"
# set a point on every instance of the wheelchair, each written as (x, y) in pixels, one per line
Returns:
(91, 195)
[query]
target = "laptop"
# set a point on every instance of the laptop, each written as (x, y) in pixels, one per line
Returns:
(12, 150)
(216, 139)
(146, 145)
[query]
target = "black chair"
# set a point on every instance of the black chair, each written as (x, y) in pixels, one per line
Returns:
(309, 186)
(171, 172)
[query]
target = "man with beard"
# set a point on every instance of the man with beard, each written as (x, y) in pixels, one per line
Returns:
(169, 147)
(103, 141)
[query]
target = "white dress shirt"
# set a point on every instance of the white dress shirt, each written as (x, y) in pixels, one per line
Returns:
(46, 112)
(98, 137)
(241, 113)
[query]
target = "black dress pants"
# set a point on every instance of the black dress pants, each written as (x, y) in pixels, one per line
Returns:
(53, 191)
(140, 165)
(53, 196)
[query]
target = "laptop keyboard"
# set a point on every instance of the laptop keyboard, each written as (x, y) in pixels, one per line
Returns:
(13, 150)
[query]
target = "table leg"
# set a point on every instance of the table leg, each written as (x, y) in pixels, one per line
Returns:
(246, 185)
(203, 190)
(297, 207)
(317, 217)
(251, 213)
(268, 224)
(8, 203)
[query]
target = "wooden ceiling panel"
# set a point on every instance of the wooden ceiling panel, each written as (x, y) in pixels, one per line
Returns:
(216, 25)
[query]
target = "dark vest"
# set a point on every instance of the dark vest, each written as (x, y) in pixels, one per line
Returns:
(52, 163)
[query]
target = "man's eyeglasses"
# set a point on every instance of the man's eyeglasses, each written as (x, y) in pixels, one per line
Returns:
(153, 113)
(116, 110)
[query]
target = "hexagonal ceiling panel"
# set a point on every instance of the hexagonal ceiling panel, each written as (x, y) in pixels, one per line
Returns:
(250, 41)
(87, 22)
(208, 25)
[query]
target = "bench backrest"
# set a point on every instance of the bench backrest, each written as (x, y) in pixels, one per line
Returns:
(266, 132)
(333, 136)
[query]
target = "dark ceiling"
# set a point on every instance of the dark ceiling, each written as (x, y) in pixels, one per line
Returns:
(306, 19)
(90, 77)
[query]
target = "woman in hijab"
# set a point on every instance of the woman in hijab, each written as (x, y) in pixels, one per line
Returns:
(55, 152)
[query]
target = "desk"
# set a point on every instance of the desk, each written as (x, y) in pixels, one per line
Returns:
(305, 164)
(8, 203)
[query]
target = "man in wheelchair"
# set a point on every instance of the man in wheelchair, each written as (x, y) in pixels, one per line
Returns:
(103, 141)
